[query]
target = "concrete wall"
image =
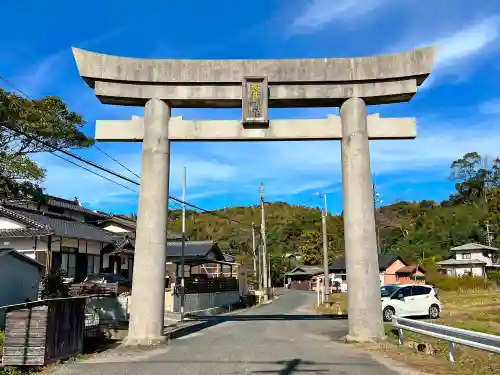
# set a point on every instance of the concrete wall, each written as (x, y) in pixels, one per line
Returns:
(111, 311)
(205, 301)
(19, 280)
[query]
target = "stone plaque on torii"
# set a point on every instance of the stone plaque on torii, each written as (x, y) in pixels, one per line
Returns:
(255, 86)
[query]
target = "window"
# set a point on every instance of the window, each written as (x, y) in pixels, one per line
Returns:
(420, 290)
(388, 290)
(466, 256)
(68, 260)
(93, 264)
(406, 291)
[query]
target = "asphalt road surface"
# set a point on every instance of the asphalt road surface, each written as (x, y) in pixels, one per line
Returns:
(282, 338)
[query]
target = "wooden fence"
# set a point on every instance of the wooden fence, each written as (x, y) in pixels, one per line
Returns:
(42, 332)
(194, 285)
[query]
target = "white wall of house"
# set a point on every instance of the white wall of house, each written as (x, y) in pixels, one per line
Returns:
(116, 229)
(27, 246)
(6, 223)
(462, 270)
(473, 254)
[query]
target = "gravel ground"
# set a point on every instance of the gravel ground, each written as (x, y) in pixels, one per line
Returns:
(284, 337)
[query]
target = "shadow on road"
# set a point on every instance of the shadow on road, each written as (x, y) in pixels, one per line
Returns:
(201, 322)
(287, 367)
(252, 317)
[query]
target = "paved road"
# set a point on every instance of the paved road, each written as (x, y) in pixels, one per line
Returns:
(280, 338)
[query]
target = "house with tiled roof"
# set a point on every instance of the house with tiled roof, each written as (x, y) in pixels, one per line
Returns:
(58, 233)
(120, 257)
(392, 270)
(51, 204)
(471, 259)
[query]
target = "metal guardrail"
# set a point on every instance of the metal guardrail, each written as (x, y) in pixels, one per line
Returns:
(477, 340)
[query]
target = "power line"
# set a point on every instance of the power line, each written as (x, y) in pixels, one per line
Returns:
(95, 165)
(93, 172)
(15, 87)
(117, 161)
(111, 172)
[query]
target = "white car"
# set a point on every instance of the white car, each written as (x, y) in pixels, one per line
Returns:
(409, 300)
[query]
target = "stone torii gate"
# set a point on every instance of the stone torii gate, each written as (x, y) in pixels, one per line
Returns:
(255, 85)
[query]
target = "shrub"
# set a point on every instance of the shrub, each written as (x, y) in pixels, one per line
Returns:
(53, 285)
(461, 283)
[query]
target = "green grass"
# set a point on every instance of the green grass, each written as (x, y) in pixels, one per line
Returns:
(473, 310)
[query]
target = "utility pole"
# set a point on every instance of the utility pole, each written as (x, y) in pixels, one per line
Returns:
(269, 281)
(326, 281)
(261, 269)
(376, 199)
(183, 246)
(488, 235)
(264, 247)
(255, 272)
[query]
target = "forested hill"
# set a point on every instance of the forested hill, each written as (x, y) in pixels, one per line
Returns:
(418, 231)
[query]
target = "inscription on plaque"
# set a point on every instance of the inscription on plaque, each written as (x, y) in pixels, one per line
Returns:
(255, 101)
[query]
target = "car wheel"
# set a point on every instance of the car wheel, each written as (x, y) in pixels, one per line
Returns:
(434, 312)
(388, 313)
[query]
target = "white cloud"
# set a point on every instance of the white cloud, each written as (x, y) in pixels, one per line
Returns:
(319, 13)
(286, 168)
(467, 42)
(204, 178)
(36, 78)
(490, 107)
(456, 50)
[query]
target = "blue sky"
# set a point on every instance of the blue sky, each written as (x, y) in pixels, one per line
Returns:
(458, 109)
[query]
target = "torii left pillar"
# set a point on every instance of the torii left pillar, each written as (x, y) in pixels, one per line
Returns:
(147, 309)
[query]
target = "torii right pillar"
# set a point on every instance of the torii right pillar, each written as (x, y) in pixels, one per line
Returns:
(365, 315)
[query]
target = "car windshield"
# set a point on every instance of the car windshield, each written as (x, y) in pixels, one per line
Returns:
(388, 290)
(94, 278)
(110, 278)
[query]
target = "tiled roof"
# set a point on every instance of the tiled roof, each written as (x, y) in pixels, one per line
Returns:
(407, 269)
(384, 261)
(32, 227)
(129, 238)
(129, 223)
(47, 223)
(229, 257)
(474, 246)
(193, 249)
(57, 202)
(306, 270)
(460, 262)
(17, 254)
(11, 233)
(71, 205)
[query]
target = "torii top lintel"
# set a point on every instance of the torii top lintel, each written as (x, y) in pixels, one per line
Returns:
(320, 82)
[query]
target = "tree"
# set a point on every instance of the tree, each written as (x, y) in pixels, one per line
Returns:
(473, 175)
(48, 119)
